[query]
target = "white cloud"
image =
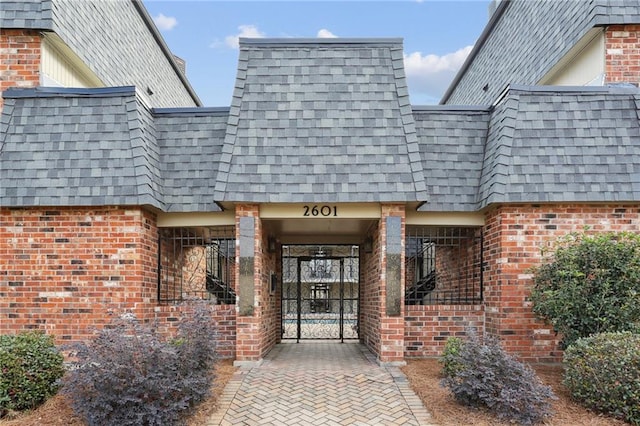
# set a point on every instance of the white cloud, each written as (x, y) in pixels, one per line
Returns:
(250, 31)
(430, 75)
(325, 33)
(166, 23)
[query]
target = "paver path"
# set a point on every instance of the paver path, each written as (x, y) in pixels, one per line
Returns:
(319, 383)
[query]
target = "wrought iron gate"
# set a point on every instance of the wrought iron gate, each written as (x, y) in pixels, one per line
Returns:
(320, 292)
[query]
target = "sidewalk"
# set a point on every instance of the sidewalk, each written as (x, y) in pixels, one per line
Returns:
(319, 383)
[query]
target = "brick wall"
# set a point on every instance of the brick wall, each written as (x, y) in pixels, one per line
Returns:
(19, 59)
(370, 298)
(66, 270)
(270, 301)
(170, 255)
(622, 44)
(427, 327)
(457, 269)
(514, 237)
(224, 316)
(69, 271)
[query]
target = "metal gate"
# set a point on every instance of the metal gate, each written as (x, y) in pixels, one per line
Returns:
(320, 292)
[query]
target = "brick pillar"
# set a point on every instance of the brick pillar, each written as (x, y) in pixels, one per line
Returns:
(391, 236)
(250, 331)
(370, 274)
(622, 50)
(20, 53)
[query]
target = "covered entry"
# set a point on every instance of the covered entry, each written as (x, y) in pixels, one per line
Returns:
(320, 292)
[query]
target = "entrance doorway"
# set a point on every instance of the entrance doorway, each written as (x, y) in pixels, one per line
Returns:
(320, 292)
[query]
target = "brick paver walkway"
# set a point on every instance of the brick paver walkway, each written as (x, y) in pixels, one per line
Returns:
(319, 383)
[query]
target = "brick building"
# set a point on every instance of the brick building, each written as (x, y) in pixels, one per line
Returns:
(320, 203)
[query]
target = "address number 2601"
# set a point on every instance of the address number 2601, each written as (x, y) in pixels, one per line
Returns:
(323, 210)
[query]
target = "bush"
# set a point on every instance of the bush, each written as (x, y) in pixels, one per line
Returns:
(590, 285)
(129, 375)
(30, 367)
(450, 358)
(484, 375)
(603, 373)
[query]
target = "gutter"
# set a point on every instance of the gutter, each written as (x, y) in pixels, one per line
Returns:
(167, 52)
(495, 17)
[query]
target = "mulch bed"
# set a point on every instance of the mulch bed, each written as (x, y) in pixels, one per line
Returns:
(424, 376)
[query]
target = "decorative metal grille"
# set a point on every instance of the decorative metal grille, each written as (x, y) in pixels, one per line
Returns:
(196, 262)
(320, 292)
(443, 265)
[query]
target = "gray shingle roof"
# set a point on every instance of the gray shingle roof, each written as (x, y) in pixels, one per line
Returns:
(190, 141)
(320, 120)
(68, 147)
(526, 40)
(563, 145)
(78, 147)
(26, 14)
(451, 145)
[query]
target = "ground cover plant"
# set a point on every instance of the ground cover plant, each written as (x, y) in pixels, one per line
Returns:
(590, 284)
(30, 367)
(483, 374)
(130, 375)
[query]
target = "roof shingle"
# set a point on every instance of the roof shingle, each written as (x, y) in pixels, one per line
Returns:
(320, 120)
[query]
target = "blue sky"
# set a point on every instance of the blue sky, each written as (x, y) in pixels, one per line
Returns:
(437, 35)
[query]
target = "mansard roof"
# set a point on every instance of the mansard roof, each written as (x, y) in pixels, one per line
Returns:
(66, 147)
(190, 142)
(78, 147)
(319, 120)
(452, 141)
(85, 147)
(554, 144)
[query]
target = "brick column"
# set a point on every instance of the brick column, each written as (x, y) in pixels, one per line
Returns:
(20, 54)
(249, 334)
(391, 236)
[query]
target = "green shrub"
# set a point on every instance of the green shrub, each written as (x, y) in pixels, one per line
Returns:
(130, 375)
(30, 367)
(603, 373)
(450, 358)
(484, 375)
(590, 285)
